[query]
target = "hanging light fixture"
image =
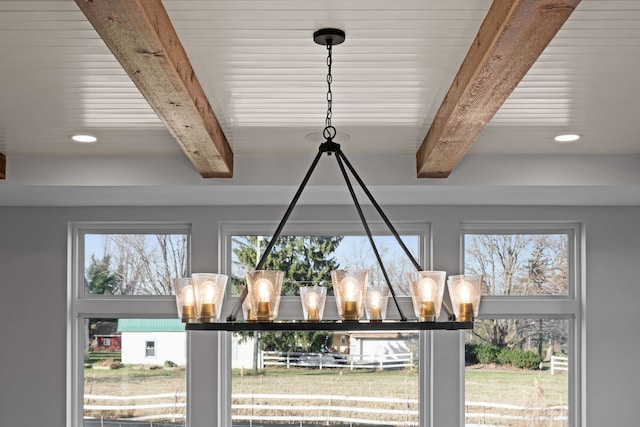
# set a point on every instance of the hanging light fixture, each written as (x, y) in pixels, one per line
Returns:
(260, 299)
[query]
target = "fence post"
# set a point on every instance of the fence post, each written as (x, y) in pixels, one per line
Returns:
(288, 361)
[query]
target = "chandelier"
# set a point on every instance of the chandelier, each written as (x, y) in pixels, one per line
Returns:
(199, 298)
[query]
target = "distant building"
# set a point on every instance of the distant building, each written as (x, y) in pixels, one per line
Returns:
(106, 337)
(382, 343)
(153, 341)
(242, 353)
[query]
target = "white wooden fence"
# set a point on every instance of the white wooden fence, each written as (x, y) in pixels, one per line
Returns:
(322, 409)
(559, 363)
(336, 360)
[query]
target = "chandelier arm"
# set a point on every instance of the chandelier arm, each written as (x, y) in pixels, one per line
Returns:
(368, 231)
(380, 212)
(236, 309)
(340, 154)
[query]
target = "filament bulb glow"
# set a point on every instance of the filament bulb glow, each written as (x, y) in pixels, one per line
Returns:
(209, 292)
(188, 296)
(264, 289)
(312, 299)
(375, 299)
(465, 292)
(350, 286)
(427, 288)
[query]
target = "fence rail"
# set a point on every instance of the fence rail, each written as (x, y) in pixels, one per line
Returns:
(324, 408)
(559, 363)
(337, 360)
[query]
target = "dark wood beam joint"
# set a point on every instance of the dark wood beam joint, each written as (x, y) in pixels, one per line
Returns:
(3, 166)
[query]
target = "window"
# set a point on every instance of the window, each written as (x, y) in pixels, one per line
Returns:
(529, 322)
(126, 349)
(301, 375)
(150, 349)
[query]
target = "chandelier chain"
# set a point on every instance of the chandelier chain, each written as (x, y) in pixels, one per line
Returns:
(329, 131)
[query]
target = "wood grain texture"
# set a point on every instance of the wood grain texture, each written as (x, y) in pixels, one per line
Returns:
(140, 35)
(3, 166)
(511, 38)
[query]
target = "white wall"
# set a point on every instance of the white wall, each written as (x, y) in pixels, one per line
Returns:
(33, 280)
(168, 346)
(242, 354)
(378, 347)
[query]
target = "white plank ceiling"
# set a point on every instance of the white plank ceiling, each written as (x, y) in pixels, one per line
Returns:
(265, 80)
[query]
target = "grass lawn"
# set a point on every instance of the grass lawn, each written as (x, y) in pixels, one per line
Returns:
(482, 384)
(524, 388)
(396, 383)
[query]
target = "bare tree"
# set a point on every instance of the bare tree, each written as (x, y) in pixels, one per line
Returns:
(146, 264)
(396, 263)
(519, 264)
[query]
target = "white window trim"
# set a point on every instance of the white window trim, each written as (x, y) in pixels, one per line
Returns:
(81, 307)
(566, 307)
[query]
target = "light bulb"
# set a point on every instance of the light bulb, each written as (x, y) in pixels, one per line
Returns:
(427, 288)
(188, 295)
(264, 289)
(209, 292)
(465, 292)
(350, 287)
(188, 304)
(375, 299)
(312, 299)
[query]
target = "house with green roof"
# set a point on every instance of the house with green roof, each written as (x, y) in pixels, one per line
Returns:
(153, 341)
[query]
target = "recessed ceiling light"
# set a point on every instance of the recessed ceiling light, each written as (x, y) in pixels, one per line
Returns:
(567, 137)
(86, 139)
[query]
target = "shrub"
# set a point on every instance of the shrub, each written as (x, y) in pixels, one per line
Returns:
(470, 357)
(170, 364)
(525, 360)
(506, 356)
(487, 354)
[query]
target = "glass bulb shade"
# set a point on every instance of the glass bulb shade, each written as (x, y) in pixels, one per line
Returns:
(427, 290)
(313, 299)
(464, 291)
(265, 287)
(185, 292)
(246, 311)
(376, 302)
(210, 290)
(349, 289)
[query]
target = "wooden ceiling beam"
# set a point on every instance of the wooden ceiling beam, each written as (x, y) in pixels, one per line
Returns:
(511, 38)
(3, 166)
(140, 35)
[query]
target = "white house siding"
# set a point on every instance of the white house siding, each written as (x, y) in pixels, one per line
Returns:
(242, 354)
(370, 346)
(168, 346)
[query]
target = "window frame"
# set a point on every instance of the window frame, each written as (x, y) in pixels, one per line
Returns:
(227, 229)
(566, 307)
(148, 348)
(82, 306)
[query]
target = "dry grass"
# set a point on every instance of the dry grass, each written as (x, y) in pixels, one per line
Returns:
(524, 388)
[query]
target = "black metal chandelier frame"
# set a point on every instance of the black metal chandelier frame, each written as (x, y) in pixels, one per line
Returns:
(330, 37)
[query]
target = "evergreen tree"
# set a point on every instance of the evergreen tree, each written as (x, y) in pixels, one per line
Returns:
(100, 279)
(306, 261)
